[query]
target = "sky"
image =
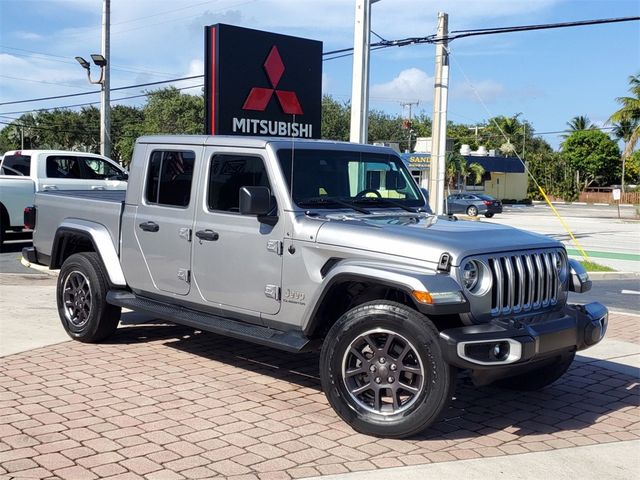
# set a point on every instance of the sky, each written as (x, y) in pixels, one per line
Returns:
(546, 76)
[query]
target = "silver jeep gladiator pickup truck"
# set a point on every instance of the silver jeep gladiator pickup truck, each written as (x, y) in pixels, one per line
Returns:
(301, 245)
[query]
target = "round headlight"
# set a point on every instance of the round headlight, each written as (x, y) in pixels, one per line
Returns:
(470, 275)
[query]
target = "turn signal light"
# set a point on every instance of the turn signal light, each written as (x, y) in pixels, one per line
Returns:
(423, 297)
(438, 297)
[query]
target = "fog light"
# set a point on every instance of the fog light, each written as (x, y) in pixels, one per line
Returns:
(500, 351)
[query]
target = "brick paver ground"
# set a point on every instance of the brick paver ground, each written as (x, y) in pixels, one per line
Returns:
(165, 402)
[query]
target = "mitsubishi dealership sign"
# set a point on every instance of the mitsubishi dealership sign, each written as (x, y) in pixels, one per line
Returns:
(260, 83)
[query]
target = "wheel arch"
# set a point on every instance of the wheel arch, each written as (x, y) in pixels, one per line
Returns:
(351, 283)
(75, 236)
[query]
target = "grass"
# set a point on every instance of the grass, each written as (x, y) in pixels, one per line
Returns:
(595, 267)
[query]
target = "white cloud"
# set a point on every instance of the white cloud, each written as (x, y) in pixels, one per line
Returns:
(412, 84)
(28, 36)
(196, 67)
(486, 90)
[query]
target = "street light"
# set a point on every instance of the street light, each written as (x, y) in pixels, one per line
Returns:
(100, 61)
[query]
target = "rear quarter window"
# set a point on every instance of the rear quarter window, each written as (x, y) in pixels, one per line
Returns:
(16, 165)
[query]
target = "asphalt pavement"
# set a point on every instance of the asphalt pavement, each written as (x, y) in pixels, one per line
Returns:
(607, 239)
(621, 295)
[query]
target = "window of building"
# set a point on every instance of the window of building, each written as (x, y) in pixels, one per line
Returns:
(169, 177)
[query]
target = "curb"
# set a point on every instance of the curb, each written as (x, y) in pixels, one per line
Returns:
(39, 268)
(614, 275)
(541, 202)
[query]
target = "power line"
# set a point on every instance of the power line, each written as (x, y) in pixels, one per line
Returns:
(95, 103)
(98, 91)
(375, 46)
(63, 59)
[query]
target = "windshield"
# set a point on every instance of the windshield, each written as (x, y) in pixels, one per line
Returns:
(329, 178)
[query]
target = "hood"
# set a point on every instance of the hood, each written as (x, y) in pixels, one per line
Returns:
(426, 237)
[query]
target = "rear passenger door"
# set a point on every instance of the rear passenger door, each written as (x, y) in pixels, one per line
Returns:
(164, 217)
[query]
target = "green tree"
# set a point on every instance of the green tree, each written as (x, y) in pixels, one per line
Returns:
(457, 171)
(169, 111)
(593, 155)
(580, 122)
(629, 112)
(336, 118)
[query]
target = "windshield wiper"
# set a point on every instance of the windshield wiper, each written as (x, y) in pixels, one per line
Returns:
(387, 201)
(332, 201)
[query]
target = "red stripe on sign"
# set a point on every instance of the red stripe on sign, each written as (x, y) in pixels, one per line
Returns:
(212, 93)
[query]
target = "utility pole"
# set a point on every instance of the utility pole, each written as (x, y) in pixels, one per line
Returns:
(475, 129)
(105, 102)
(439, 130)
(410, 105)
(360, 80)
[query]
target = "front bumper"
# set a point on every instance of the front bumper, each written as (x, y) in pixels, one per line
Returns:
(508, 344)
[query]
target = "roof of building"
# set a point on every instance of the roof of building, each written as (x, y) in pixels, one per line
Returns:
(422, 161)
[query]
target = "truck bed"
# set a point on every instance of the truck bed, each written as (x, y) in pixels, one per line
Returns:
(55, 208)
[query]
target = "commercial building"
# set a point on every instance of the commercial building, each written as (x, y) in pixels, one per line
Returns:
(504, 177)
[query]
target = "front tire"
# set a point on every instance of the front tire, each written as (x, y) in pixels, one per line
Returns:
(383, 372)
(472, 211)
(539, 378)
(81, 295)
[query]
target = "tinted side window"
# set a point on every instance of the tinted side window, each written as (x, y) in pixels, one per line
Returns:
(63, 167)
(98, 169)
(229, 173)
(16, 163)
(169, 177)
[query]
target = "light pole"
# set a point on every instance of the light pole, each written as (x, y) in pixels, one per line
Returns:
(101, 60)
(360, 80)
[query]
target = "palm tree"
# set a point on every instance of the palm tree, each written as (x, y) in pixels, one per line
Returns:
(581, 122)
(629, 112)
(457, 169)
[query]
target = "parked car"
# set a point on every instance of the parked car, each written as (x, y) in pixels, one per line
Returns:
(493, 205)
(312, 245)
(473, 204)
(25, 172)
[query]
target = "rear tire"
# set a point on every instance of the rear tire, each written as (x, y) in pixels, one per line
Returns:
(383, 372)
(81, 295)
(472, 211)
(540, 377)
(488, 215)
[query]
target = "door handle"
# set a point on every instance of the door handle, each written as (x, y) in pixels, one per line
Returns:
(208, 235)
(49, 187)
(149, 226)
(97, 187)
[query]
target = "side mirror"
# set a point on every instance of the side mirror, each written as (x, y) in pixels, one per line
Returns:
(255, 200)
(579, 281)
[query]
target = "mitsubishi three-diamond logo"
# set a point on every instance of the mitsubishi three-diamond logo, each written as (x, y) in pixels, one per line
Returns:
(262, 83)
(259, 97)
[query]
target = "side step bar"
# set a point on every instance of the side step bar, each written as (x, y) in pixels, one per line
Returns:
(288, 341)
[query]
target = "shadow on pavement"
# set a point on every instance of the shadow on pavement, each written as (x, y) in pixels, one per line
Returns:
(583, 397)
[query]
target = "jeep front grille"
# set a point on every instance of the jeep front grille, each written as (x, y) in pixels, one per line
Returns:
(525, 282)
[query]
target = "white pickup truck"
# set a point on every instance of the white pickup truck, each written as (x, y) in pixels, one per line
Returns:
(23, 173)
